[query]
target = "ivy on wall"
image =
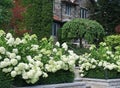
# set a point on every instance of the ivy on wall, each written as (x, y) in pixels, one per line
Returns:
(39, 16)
(5, 13)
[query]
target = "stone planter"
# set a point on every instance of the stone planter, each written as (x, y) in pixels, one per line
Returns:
(100, 83)
(62, 85)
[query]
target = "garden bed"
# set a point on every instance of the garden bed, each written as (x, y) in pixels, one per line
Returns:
(100, 83)
(62, 85)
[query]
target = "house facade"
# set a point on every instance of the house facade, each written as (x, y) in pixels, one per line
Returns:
(66, 10)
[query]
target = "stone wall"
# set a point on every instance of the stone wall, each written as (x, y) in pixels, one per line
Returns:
(60, 6)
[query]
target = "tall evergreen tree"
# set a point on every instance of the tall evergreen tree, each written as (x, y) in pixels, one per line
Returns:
(39, 16)
(107, 12)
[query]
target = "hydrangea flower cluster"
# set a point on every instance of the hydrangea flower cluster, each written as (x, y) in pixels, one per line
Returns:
(29, 58)
(102, 57)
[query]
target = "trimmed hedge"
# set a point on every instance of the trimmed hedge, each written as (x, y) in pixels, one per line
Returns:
(60, 76)
(102, 74)
(5, 80)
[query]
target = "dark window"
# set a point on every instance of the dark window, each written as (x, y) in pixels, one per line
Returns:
(83, 13)
(55, 28)
(68, 9)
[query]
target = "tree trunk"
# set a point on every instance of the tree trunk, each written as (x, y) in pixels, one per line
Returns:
(80, 42)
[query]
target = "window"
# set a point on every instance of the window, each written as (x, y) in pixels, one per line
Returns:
(55, 28)
(83, 13)
(68, 9)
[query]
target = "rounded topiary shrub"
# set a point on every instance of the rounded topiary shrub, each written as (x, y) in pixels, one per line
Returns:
(89, 30)
(5, 80)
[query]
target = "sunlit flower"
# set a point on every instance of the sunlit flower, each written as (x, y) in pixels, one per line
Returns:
(57, 44)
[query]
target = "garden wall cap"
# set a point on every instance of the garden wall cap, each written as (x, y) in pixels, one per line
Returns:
(97, 80)
(62, 85)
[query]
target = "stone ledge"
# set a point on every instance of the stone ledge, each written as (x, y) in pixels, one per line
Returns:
(62, 85)
(100, 83)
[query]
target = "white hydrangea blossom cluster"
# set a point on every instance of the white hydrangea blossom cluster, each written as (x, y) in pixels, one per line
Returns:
(26, 57)
(101, 57)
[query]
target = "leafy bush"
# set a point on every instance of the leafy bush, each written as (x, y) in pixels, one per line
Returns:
(30, 59)
(112, 40)
(103, 59)
(5, 80)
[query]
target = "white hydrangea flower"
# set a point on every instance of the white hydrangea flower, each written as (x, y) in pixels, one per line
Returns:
(15, 51)
(55, 50)
(58, 66)
(9, 35)
(29, 58)
(2, 50)
(45, 74)
(57, 44)
(71, 62)
(13, 73)
(6, 60)
(100, 64)
(81, 75)
(111, 66)
(39, 73)
(18, 57)
(3, 64)
(13, 62)
(34, 47)
(12, 55)
(109, 52)
(33, 80)
(21, 66)
(16, 69)
(71, 52)
(65, 59)
(25, 75)
(23, 41)
(27, 66)
(17, 41)
(64, 45)
(103, 43)
(30, 74)
(92, 47)
(10, 42)
(39, 63)
(6, 70)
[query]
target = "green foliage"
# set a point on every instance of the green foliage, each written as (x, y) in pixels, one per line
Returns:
(112, 40)
(38, 17)
(5, 13)
(106, 12)
(60, 76)
(5, 80)
(82, 28)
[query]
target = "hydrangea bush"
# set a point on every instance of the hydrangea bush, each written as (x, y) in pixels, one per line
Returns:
(102, 61)
(31, 59)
